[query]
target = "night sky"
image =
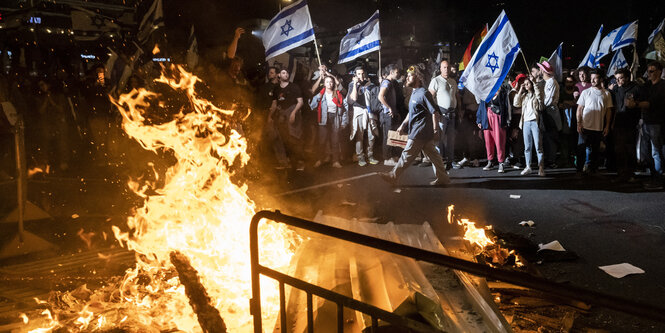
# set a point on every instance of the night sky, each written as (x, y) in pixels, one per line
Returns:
(540, 25)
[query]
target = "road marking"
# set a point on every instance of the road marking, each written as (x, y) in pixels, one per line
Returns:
(328, 184)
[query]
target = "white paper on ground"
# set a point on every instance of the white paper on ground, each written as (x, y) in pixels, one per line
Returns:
(515, 196)
(348, 203)
(553, 245)
(397, 190)
(529, 223)
(620, 270)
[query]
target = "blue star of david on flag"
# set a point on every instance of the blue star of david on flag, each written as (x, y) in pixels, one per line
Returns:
(290, 28)
(491, 62)
(493, 66)
(286, 28)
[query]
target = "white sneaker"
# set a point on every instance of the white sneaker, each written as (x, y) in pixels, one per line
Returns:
(501, 170)
(488, 166)
(463, 162)
(336, 165)
(526, 171)
(389, 162)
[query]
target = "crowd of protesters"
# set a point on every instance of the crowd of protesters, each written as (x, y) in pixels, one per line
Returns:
(327, 119)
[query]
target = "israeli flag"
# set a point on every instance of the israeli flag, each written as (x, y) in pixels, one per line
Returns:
(590, 57)
(658, 29)
(360, 39)
(618, 61)
(620, 37)
(626, 35)
(557, 62)
(289, 29)
(492, 60)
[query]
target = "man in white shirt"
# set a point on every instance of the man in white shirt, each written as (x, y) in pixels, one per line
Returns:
(594, 110)
(444, 90)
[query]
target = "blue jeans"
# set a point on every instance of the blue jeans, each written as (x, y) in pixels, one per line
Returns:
(532, 137)
(652, 133)
(588, 146)
(446, 146)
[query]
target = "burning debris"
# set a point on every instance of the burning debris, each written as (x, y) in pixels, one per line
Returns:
(484, 244)
(196, 210)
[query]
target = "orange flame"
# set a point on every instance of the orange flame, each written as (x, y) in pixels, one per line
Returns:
(472, 234)
(86, 237)
(36, 170)
(155, 50)
(199, 212)
(477, 236)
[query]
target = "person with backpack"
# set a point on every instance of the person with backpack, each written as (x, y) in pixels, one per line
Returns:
(364, 102)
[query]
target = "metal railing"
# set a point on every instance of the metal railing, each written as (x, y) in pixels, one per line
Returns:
(621, 304)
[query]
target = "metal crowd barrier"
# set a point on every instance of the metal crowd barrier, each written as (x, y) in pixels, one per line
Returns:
(617, 303)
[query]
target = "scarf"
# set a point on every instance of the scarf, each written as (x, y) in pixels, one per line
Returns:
(337, 99)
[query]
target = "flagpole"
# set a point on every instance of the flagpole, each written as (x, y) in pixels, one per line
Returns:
(380, 64)
(525, 63)
(316, 47)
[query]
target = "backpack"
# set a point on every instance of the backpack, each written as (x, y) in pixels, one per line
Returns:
(374, 104)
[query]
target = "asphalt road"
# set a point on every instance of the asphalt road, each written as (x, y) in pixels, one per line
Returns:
(601, 222)
(597, 221)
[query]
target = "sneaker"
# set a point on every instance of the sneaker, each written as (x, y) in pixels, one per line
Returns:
(388, 177)
(336, 165)
(488, 166)
(456, 165)
(373, 160)
(389, 162)
(541, 171)
(362, 162)
(526, 171)
(516, 166)
(463, 162)
(501, 170)
(438, 182)
(586, 169)
(317, 164)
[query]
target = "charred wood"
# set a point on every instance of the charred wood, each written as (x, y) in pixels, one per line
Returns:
(209, 318)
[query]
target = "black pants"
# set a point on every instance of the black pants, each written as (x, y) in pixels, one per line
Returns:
(388, 123)
(625, 140)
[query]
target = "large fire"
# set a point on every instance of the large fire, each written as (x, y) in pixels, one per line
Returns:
(198, 211)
